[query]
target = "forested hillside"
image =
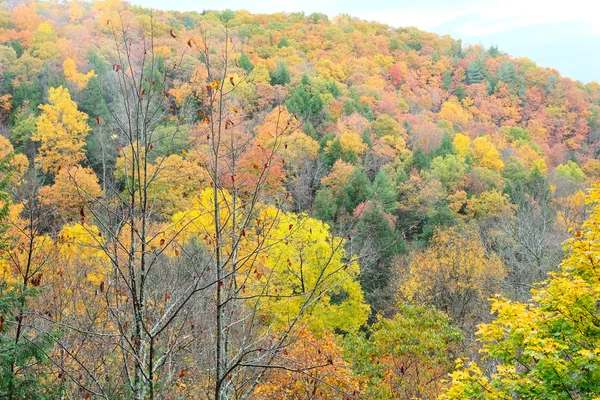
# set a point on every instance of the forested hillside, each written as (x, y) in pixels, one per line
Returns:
(287, 206)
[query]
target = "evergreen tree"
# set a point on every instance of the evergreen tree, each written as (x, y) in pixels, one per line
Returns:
(305, 102)
(17, 46)
(507, 73)
(245, 63)
(447, 80)
(493, 50)
(384, 192)
(336, 152)
(460, 92)
(316, 17)
(324, 206)
(376, 237)
(283, 43)
(99, 65)
(475, 72)
(395, 44)
(420, 159)
(356, 191)
(446, 147)
(348, 107)
(94, 103)
(281, 75)
(24, 128)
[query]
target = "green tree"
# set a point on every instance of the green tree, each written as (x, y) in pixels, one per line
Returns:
(507, 73)
(377, 241)
(450, 170)
(281, 75)
(22, 132)
(407, 356)
(20, 374)
(447, 83)
(283, 43)
(384, 192)
(324, 206)
(386, 125)
(335, 152)
(571, 172)
(94, 103)
(226, 16)
(317, 17)
(475, 72)
(245, 63)
(356, 191)
(306, 102)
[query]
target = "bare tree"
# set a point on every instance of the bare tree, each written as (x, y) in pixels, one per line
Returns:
(245, 350)
(174, 294)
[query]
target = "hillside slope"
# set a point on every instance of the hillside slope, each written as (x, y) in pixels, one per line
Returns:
(205, 197)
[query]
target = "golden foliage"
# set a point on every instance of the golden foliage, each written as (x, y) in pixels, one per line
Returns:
(454, 273)
(485, 154)
(74, 188)
(61, 131)
(73, 75)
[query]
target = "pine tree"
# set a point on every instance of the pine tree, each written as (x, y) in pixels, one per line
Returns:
(245, 63)
(384, 192)
(305, 103)
(378, 242)
(283, 43)
(281, 75)
(507, 73)
(475, 72)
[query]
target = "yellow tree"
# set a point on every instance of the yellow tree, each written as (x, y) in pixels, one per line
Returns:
(485, 154)
(300, 148)
(454, 112)
(61, 131)
(353, 142)
(454, 274)
(241, 173)
(462, 144)
(18, 162)
(547, 347)
(73, 188)
(25, 252)
(108, 255)
(291, 264)
(592, 169)
(73, 75)
(24, 267)
(5, 106)
(490, 204)
(45, 42)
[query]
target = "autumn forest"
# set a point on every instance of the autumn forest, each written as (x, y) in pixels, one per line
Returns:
(226, 205)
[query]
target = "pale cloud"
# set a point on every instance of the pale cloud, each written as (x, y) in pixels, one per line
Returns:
(489, 18)
(477, 18)
(425, 19)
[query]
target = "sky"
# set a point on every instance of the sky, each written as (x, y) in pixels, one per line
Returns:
(561, 34)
